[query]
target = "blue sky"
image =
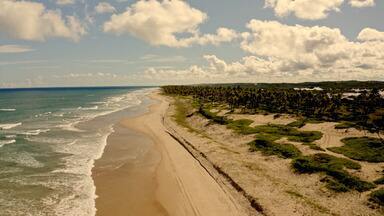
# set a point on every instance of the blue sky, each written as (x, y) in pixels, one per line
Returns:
(123, 55)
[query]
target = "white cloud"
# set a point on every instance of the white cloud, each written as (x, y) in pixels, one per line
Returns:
(286, 53)
(65, 2)
(304, 9)
(32, 21)
(160, 23)
(362, 3)
(14, 49)
(104, 7)
(311, 9)
(369, 34)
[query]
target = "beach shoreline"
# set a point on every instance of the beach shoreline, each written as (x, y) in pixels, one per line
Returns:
(164, 180)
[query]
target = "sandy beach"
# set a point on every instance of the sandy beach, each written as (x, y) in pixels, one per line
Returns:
(144, 171)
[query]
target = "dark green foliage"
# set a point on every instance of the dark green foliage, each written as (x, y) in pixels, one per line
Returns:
(299, 123)
(335, 185)
(215, 118)
(362, 148)
(291, 133)
(377, 197)
(241, 126)
(365, 111)
(334, 167)
(271, 148)
(379, 181)
(314, 146)
(345, 125)
(349, 181)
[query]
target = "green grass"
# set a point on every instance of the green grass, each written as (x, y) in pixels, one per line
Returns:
(183, 108)
(298, 123)
(333, 167)
(345, 125)
(213, 117)
(362, 149)
(242, 126)
(379, 181)
(377, 197)
(291, 133)
(268, 147)
(314, 146)
(180, 116)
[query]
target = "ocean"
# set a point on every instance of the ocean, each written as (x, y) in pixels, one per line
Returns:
(49, 140)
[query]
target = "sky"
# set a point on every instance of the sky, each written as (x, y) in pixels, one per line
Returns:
(50, 43)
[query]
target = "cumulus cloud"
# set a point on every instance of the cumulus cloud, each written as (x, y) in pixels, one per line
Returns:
(279, 52)
(104, 7)
(32, 21)
(304, 9)
(369, 34)
(14, 49)
(362, 3)
(304, 46)
(311, 9)
(170, 23)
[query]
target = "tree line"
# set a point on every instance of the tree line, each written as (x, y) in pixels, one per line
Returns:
(365, 110)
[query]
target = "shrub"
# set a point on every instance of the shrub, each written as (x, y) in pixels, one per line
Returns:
(340, 180)
(362, 148)
(377, 197)
(268, 147)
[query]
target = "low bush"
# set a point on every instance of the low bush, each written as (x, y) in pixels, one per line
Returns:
(333, 167)
(377, 197)
(268, 147)
(362, 148)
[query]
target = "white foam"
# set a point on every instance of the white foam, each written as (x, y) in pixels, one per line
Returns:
(70, 127)
(9, 126)
(43, 114)
(8, 110)
(22, 158)
(6, 142)
(89, 108)
(35, 132)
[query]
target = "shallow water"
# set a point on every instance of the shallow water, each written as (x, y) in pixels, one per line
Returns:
(49, 139)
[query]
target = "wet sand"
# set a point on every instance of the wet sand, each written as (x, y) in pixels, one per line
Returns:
(144, 171)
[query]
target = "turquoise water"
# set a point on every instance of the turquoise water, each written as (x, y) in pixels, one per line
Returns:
(49, 139)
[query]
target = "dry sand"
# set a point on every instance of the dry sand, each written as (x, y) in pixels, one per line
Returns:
(160, 177)
(268, 179)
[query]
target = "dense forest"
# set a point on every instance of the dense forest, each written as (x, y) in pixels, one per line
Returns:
(327, 85)
(364, 110)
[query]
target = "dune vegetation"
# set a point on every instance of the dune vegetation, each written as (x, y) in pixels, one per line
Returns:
(364, 112)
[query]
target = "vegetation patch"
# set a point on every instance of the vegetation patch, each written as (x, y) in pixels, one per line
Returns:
(379, 181)
(377, 197)
(345, 125)
(291, 133)
(314, 146)
(362, 149)
(333, 167)
(268, 147)
(213, 117)
(298, 123)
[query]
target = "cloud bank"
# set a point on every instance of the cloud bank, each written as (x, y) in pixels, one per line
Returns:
(32, 21)
(169, 23)
(312, 9)
(281, 52)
